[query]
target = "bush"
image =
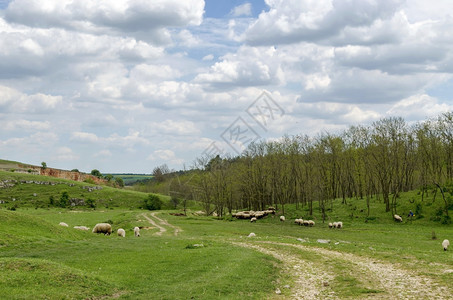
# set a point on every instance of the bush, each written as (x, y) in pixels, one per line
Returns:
(90, 203)
(446, 220)
(153, 202)
(64, 199)
(89, 180)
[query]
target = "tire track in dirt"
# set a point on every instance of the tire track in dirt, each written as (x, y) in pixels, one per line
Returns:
(154, 220)
(151, 221)
(164, 222)
(309, 279)
(397, 283)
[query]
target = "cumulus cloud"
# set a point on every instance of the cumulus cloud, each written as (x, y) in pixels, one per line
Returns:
(65, 154)
(165, 155)
(242, 10)
(12, 100)
(249, 67)
(292, 21)
(419, 107)
(147, 19)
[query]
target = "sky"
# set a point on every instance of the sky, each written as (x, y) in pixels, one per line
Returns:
(128, 85)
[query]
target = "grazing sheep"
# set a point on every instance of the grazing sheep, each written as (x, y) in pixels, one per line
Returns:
(63, 224)
(306, 223)
(299, 222)
(339, 224)
(398, 218)
(282, 218)
(330, 225)
(82, 228)
(104, 228)
(136, 231)
(445, 244)
(121, 232)
(253, 219)
(311, 223)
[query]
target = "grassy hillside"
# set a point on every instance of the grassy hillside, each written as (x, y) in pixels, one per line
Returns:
(372, 256)
(130, 179)
(26, 190)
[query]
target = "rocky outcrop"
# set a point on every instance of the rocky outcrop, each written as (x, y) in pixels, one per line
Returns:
(75, 176)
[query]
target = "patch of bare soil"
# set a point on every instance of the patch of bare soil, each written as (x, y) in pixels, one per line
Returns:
(165, 223)
(151, 221)
(398, 283)
(310, 282)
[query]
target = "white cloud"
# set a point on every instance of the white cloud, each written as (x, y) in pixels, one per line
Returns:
(65, 154)
(208, 57)
(165, 156)
(242, 10)
(25, 125)
(18, 102)
(419, 107)
(292, 21)
(146, 19)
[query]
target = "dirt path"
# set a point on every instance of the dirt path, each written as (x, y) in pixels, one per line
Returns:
(163, 222)
(310, 280)
(151, 221)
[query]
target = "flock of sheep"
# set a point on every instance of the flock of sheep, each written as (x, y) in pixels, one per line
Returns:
(104, 228)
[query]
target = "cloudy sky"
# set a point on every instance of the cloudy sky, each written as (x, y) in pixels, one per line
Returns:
(127, 85)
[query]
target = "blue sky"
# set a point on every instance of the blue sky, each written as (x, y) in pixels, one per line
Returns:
(135, 84)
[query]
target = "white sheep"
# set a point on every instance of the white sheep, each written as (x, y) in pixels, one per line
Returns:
(82, 228)
(306, 223)
(136, 231)
(445, 244)
(104, 228)
(339, 224)
(121, 232)
(282, 218)
(63, 224)
(330, 225)
(398, 218)
(253, 219)
(299, 222)
(311, 223)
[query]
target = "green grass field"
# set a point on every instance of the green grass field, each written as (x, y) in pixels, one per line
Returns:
(211, 258)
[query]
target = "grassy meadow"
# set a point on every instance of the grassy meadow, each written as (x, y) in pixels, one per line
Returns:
(212, 258)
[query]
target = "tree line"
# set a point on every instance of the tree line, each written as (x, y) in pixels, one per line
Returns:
(383, 159)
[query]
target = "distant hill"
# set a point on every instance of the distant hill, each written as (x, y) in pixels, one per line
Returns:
(14, 166)
(130, 179)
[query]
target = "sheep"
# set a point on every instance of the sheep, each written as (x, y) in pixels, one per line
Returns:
(104, 228)
(306, 223)
(63, 224)
(339, 224)
(253, 219)
(82, 228)
(311, 223)
(282, 218)
(398, 218)
(330, 225)
(299, 221)
(136, 231)
(445, 244)
(121, 232)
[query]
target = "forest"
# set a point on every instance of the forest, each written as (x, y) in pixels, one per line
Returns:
(380, 160)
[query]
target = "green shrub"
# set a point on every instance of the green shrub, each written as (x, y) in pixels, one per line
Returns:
(446, 220)
(64, 199)
(153, 202)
